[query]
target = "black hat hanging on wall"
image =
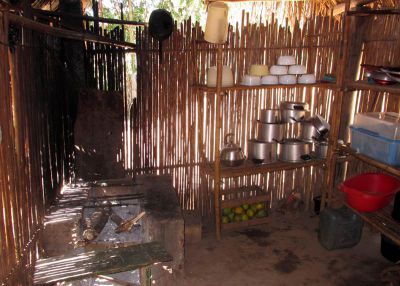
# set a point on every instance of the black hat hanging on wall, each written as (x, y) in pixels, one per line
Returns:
(161, 25)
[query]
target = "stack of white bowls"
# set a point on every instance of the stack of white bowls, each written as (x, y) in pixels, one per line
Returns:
(288, 72)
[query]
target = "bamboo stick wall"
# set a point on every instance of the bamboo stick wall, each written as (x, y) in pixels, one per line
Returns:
(381, 46)
(35, 147)
(175, 126)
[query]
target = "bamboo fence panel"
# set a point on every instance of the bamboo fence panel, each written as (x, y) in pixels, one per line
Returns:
(174, 126)
(36, 143)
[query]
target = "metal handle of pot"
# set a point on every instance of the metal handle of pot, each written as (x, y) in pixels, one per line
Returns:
(298, 107)
(226, 138)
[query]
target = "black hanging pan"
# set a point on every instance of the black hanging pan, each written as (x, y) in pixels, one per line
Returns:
(161, 25)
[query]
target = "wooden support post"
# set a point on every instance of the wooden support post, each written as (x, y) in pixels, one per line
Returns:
(217, 178)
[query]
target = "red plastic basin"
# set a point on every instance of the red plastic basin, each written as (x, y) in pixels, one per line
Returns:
(370, 192)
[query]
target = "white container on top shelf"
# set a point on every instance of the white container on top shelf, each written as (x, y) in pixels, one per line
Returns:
(297, 69)
(251, 80)
(278, 70)
(385, 124)
(259, 70)
(227, 77)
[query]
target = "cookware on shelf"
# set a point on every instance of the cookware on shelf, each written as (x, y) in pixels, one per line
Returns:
(307, 79)
(161, 25)
(262, 152)
(382, 78)
(216, 31)
(292, 112)
(269, 79)
(297, 69)
(270, 116)
(370, 192)
(268, 132)
(227, 76)
(278, 70)
(287, 79)
(251, 80)
(286, 60)
(231, 154)
(259, 70)
(294, 150)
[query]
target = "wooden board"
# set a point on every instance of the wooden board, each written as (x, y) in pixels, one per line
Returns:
(83, 264)
(244, 224)
(249, 168)
(204, 88)
(365, 85)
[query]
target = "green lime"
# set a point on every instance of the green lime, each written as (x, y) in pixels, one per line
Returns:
(225, 219)
(231, 216)
(250, 213)
(245, 206)
(245, 217)
(237, 218)
(254, 207)
(259, 206)
(238, 210)
(261, 213)
(226, 211)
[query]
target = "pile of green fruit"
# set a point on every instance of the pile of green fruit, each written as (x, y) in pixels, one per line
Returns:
(244, 212)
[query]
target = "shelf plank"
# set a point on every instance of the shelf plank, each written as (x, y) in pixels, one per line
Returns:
(248, 200)
(204, 88)
(365, 85)
(244, 224)
(372, 12)
(383, 222)
(250, 168)
(385, 167)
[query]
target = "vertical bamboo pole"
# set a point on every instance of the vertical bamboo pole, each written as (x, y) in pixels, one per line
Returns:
(217, 186)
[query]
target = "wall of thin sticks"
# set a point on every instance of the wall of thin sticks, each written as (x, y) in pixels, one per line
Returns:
(174, 126)
(35, 145)
(381, 47)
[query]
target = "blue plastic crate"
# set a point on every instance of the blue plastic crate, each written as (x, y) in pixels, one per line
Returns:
(377, 147)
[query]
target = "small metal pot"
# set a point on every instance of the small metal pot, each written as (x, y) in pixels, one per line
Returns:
(231, 155)
(321, 149)
(270, 116)
(267, 132)
(321, 124)
(292, 150)
(292, 111)
(262, 152)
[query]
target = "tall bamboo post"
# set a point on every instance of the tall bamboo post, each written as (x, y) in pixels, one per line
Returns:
(217, 186)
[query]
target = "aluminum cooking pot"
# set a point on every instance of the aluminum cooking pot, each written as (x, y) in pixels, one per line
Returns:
(293, 150)
(262, 152)
(321, 149)
(231, 155)
(321, 124)
(309, 132)
(267, 132)
(292, 111)
(270, 116)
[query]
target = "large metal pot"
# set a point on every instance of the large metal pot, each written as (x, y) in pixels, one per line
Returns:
(262, 152)
(292, 111)
(292, 150)
(231, 155)
(309, 132)
(270, 116)
(267, 132)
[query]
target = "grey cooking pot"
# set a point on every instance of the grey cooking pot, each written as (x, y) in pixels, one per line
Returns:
(292, 150)
(292, 111)
(321, 149)
(270, 116)
(231, 155)
(262, 152)
(321, 124)
(308, 131)
(267, 132)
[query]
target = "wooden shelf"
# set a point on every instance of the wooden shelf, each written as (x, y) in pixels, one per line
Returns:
(204, 88)
(383, 222)
(243, 195)
(250, 168)
(244, 224)
(365, 85)
(365, 12)
(385, 167)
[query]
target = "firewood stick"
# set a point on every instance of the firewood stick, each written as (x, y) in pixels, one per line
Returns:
(129, 223)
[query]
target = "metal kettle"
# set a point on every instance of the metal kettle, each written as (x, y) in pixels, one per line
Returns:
(231, 155)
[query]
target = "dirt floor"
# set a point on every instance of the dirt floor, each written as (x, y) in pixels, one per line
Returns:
(283, 252)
